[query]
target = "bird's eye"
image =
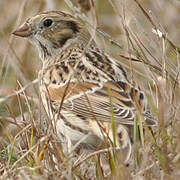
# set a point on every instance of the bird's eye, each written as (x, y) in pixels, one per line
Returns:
(47, 22)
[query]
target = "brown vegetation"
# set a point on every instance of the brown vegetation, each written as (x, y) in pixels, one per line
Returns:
(144, 36)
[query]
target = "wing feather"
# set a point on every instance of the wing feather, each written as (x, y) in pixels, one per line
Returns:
(89, 100)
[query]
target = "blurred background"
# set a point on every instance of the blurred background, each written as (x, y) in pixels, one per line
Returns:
(19, 61)
(147, 31)
(132, 28)
(132, 31)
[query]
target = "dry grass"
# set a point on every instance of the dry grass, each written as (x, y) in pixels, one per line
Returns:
(146, 42)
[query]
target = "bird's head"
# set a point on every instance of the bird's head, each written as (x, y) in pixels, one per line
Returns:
(51, 32)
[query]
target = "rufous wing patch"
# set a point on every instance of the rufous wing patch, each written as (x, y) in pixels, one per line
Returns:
(73, 89)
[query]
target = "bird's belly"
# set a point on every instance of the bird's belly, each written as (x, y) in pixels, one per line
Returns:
(72, 126)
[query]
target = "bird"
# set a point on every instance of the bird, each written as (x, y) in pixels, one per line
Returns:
(83, 89)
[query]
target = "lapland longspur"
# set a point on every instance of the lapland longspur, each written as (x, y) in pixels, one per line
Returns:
(80, 83)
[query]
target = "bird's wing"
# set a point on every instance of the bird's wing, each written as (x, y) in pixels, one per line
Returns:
(90, 100)
(81, 87)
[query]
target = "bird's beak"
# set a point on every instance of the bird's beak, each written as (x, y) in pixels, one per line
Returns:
(23, 31)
